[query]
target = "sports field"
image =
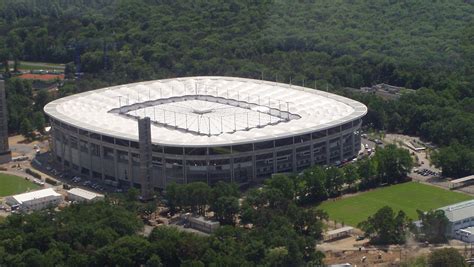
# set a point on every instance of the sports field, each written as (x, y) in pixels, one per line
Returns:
(10, 185)
(407, 197)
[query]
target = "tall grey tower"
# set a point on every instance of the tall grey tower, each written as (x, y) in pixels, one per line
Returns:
(5, 154)
(146, 171)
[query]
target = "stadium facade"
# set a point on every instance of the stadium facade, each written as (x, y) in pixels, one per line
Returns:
(202, 129)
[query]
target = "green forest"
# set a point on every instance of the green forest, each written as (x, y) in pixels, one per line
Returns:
(346, 43)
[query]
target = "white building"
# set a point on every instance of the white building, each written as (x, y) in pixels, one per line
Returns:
(81, 195)
(35, 200)
(460, 216)
(200, 223)
(466, 234)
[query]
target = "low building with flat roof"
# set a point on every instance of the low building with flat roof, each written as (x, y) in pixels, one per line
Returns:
(35, 200)
(81, 195)
(466, 234)
(200, 223)
(460, 216)
(338, 233)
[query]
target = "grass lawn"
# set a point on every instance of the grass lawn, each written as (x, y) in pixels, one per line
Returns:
(11, 185)
(407, 197)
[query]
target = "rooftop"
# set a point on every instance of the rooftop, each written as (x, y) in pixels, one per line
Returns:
(339, 230)
(459, 211)
(206, 111)
(35, 195)
(84, 193)
(463, 179)
(469, 230)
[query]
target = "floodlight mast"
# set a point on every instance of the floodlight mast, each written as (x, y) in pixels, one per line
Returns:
(120, 102)
(199, 125)
(175, 125)
(288, 111)
(222, 128)
(209, 120)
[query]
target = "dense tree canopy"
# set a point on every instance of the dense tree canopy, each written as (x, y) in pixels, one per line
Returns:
(446, 257)
(346, 43)
(433, 226)
(386, 227)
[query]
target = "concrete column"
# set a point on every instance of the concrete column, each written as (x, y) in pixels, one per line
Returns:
(117, 177)
(146, 168)
(294, 157)
(61, 149)
(131, 178)
(341, 153)
(354, 151)
(231, 164)
(5, 153)
(101, 156)
(207, 164)
(163, 169)
(328, 152)
(185, 171)
(79, 153)
(275, 170)
(254, 163)
(68, 137)
(90, 158)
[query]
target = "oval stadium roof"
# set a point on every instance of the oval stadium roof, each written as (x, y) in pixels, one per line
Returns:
(206, 110)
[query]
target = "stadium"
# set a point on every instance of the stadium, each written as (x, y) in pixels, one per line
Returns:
(203, 129)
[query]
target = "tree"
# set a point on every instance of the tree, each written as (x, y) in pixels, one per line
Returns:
(154, 261)
(225, 189)
(309, 222)
(38, 121)
(419, 261)
(171, 197)
(334, 180)
(313, 185)
(367, 169)
(384, 227)
(393, 164)
(434, 225)
(455, 160)
(446, 257)
(41, 99)
(199, 196)
(282, 183)
(277, 257)
(226, 209)
(350, 174)
(26, 129)
(126, 251)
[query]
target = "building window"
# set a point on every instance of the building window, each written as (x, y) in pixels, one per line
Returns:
(95, 149)
(122, 156)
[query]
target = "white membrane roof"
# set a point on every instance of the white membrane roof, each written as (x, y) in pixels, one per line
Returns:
(25, 197)
(262, 111)
(84, 193)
